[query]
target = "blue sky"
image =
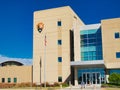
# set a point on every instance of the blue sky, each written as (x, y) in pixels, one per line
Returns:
(16, 20)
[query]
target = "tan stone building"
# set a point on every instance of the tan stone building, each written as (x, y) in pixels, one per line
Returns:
(55, 57)
(12, 71)
(65, 49)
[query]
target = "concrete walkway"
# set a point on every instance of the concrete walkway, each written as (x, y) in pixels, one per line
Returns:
(87, 87)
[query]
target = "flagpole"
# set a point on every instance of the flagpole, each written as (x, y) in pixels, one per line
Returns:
(40, 71)
(45, 62)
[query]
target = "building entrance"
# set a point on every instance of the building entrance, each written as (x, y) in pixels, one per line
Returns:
(91, 78)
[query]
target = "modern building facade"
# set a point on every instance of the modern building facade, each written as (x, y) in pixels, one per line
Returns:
(99, 52)
(65, 49)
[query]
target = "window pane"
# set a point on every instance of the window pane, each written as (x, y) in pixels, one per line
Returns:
(9, 80)
(83, 32)
(3, 80)
(99, 58)
(85, 54)
(117, 54)
(59, 23)
(114, 71)
(90, 54)
(117, 35)
(85, 58)
(92, 41)
(91, 36)
(60, 79)
(59, 42)
(59, 59)
(15, 80)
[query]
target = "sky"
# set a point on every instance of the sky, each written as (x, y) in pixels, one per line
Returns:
(16, 21)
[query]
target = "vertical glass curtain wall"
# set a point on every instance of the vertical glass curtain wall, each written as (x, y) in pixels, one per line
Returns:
(91, 45)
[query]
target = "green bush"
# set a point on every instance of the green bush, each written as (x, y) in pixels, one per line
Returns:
(114, 78)
(65, 85)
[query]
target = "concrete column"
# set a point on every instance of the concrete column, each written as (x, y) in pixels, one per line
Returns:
(76, 76)
(107, 75)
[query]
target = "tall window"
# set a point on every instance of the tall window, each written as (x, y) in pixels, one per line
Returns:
(117, 35)
(59, 23)
(59, 79)
(3, 80)
(15, 80)
(9, 80)
(91, 44)
(59, 59)
(117, 54)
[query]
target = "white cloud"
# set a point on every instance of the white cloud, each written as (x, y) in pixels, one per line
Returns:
(25, 61)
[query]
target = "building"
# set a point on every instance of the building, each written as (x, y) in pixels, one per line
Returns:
(51, 44)
(67, 50)
(99, 52)
(15, 71)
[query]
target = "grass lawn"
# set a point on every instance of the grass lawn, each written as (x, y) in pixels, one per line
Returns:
(111, 89)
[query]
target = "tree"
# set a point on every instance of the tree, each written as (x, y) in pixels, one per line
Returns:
(114, 78)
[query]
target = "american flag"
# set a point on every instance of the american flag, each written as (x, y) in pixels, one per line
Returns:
(45, 40)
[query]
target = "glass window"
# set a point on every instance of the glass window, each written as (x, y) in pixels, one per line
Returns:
(92, 31)
(99, 53)
(114, 71)
(90, 53)
(59, 42)
(85, 54)
(15, 80)
(83, 32)
(117, 54)
(92, 41)
(85, 59)
(59, 59)
(3, 80)
(99, 58)
(90, 58)
(117, 35)
(9, 80)
(91, 36)
(59, 23)
(91, 44)
(59, 79)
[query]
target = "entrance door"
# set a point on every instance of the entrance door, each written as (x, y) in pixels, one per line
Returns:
(86, 78)
(98, 78)
(91, 78)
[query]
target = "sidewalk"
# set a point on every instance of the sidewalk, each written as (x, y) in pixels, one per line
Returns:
(87, 87)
